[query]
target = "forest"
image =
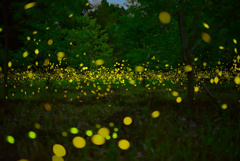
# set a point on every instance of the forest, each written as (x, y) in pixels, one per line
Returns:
(150, 80)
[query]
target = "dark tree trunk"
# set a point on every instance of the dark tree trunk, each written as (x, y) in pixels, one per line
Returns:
(186, 54)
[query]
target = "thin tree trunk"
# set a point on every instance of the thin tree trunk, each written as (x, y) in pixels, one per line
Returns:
(5, 8)
(187, 55)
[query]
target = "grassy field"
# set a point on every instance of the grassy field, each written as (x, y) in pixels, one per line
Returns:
(204, 132)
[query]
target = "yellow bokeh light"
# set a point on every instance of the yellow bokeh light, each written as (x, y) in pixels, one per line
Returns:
(59, 150)
(206, 25)
(234, 41)
(98, 139)
(74, 130)
(50, 41)
(9, 64)
(60, 55)
(57, 158)
(206, 37)
(28, 38)
(175, 93)
(164, 17)
(139, 69)
(89, 133)
(64, 133)
(34, 33)
(114, 135)
(155, 114)
(127, 120)
(235, 50)
(10, 139)
(103, 132)
(25, 54)
(30, 5)
(36, 51)
(87, 4)
(224, 106)
(196, 89)
(123, 144)
(204, 64)
(99, 62)
(237, 80)
(47, 106)
(179, 99)
(132, 82)
(32, 135)
(79, 142)
(221, 47)
(70, 15)
(46, 62)
(30, 74)
(1, 29)
(37, 125)
(188, 68)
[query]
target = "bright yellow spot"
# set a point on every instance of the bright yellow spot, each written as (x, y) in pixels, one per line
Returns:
(175, 93)
(224, 106)
(30, 74)
(10, 139)
(59, 150)
(237, 80)
(84, 53)
(164, 17)
(188, 68)
(32, 135)
(179, 99)
(25, 54)
(36, 63)
(87, 4)
(30, 5)
(139, 69)
(132, 82)
(37, 125)
(204, 64)
(70, 15)
(64, 133)
(60, 54)
(47, 28)
(206, 25)
(89, 133)
(195, 59)
(79, 142)
(221, 47)
(123, 144)
(47, 106)
(98, 139)
(50, 41)
(0, 69)
(9, 64)
(111, 124)
(127, 120)
(74, 130)
(216, 79)
(196, 89)
(206, 37)
(103, 132)
(99, 62)
(234, 41)
(114, 135)
(34, 33)
(36, 51)
(235, 50)
(108, 137)
(57, 158)
(155, 114)
(46, 62)
(1, 29)
(28, 38)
